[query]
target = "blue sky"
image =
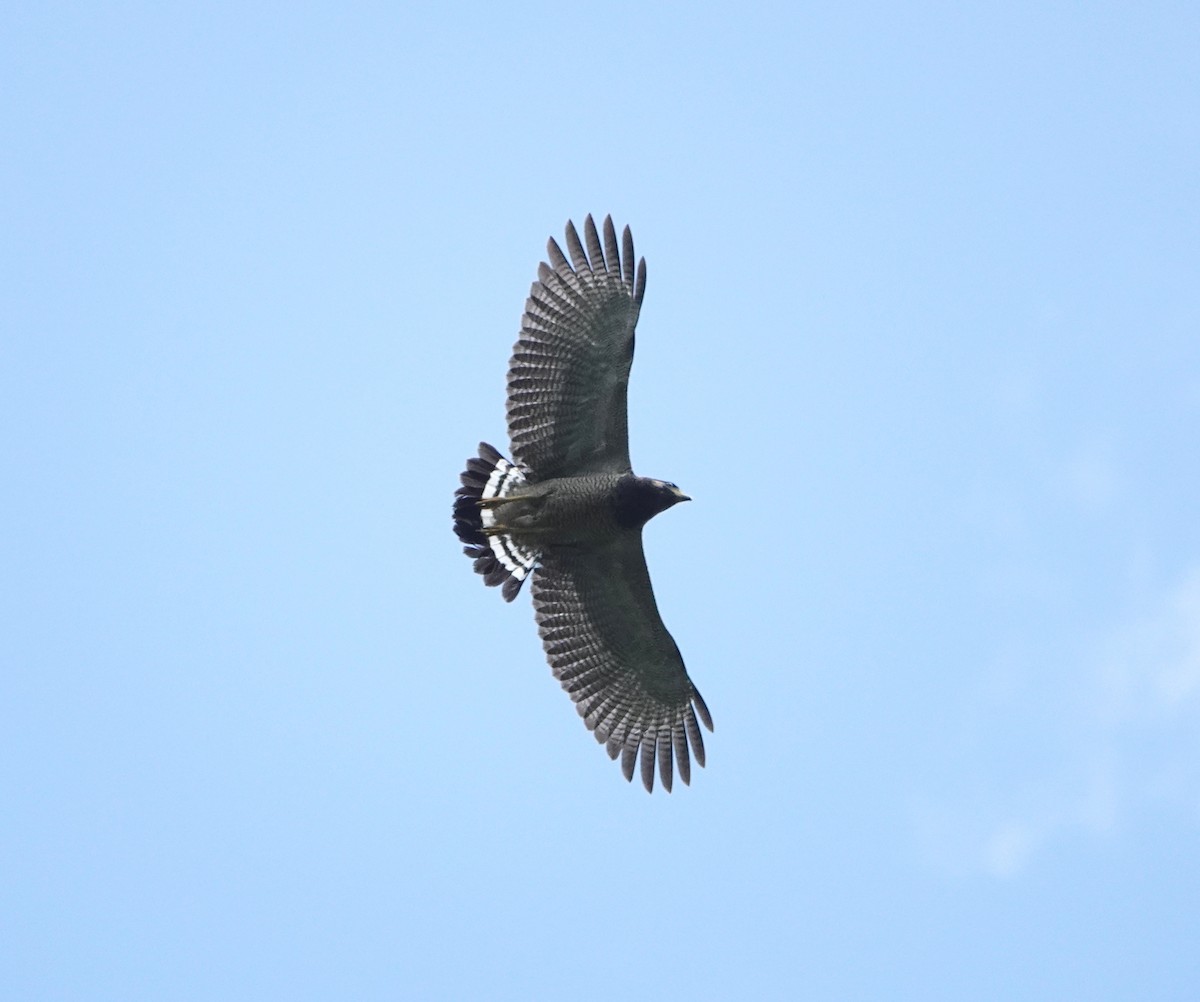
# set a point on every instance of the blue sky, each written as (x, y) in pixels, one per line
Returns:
(921, 340)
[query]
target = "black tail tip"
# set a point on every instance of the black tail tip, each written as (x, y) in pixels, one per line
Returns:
(468, 522)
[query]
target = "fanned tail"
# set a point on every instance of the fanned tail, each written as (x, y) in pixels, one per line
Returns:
(500, 558)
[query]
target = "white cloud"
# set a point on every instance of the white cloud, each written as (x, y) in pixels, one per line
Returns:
(1126, 746)
(1091, 479)
(1007, 849)
(1152, 668)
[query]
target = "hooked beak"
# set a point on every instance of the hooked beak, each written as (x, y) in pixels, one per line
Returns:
(679, 495)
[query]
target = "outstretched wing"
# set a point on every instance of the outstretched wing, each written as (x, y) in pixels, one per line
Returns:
(569, 373)
(608, 647)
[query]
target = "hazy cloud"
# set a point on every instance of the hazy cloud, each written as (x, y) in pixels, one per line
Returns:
(1129, 746)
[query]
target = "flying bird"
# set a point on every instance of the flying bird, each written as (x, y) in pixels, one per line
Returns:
(567, 511)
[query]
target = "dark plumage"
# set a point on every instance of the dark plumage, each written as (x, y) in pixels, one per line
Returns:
(569, 511)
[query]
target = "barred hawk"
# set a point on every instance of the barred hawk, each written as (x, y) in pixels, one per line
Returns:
(568, 510)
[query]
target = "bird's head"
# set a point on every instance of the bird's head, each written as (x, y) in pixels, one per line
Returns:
(669, 492)
(639, 499)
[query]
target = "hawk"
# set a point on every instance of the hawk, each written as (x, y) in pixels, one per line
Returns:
(568, 511)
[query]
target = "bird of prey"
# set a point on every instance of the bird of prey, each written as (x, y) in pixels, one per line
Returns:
(568, 511)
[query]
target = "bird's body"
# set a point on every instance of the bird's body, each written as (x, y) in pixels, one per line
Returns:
(579, 510)
(569, 511)
(562, 511)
